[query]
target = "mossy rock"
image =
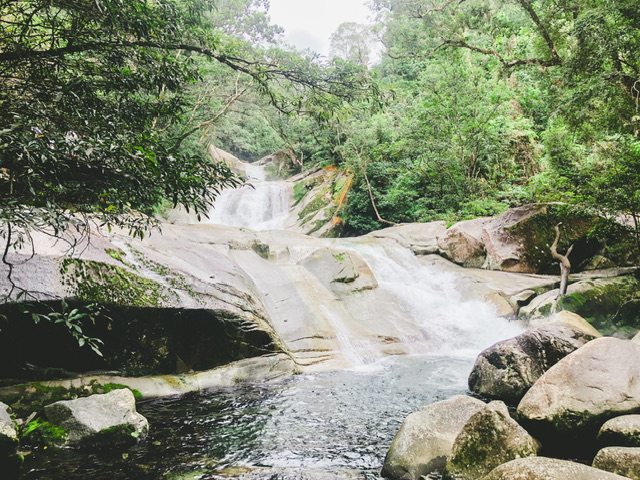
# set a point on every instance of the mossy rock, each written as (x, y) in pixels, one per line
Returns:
(537, 234)
(32, 397)
(610, 305)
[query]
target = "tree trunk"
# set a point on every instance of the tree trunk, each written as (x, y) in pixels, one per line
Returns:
(565, 264)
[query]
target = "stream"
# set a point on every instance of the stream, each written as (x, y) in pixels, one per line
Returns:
(332, 421)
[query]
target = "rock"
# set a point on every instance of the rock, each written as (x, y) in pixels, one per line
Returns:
(462, 243)
(340, 271)
(598, 299)
(508, 369)
(503, 307)
(621, 431)
(421, 238)
(576, 396)
(99, 420)
(490, 438)
(576, 321)
(519, 239)
(542, 468)
(636, 338)
(505, 245)
(10, 460)
(425, 438)
(621, 460)
(8, 433)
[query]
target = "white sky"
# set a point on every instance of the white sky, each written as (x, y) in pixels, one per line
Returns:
(310, 23)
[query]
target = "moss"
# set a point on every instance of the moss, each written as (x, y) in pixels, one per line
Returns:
(611, 307)
(45, 433)
(117, 435)
(116, 254)
(99, 282)
(109, 387)
(262, 249)
(315, 205)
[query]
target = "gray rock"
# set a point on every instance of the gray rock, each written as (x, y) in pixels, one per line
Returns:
(106, 419)
(621, 460)
(7, 428)
(462, 243)
(542, 468)
(597, 382)
(621, 431)
(340, 271)
(490, 438)
(508, 369)
(426, 438)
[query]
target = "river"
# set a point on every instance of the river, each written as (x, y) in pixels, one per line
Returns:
(332, 421)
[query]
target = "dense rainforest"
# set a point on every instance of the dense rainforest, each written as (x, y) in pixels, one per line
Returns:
(437, 110)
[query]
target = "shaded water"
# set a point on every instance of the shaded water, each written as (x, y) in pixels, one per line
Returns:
(334, 420)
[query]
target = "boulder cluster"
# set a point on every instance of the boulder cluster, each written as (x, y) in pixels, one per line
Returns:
(96, 421)
(556, 392)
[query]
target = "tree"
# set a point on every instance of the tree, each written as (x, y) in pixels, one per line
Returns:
(96, 110)
(353, 42)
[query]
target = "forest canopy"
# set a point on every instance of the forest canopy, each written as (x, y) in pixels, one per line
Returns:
(102, 103)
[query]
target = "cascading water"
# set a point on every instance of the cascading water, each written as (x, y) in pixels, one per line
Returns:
(258, 204)
(335, 420)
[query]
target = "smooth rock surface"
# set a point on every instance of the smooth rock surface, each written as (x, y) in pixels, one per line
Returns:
(490, 438)
(621, 431)
(621, 460)
(542, 468)
(576, 321)
(426, 437)
(92, 421)
(508, 369)
(598, 381)
(462, 243)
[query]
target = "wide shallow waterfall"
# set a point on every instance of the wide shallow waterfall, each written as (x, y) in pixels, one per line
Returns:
(258, 204)
(333, 420)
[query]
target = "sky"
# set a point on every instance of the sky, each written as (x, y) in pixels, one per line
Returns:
(310, 23)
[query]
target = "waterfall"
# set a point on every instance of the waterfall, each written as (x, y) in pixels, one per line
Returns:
(413, 308)
(258, 204)
(440, 320)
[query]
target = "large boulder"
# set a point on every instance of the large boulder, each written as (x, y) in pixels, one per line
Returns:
(462, 243)
(621, 431)
(490, 438)
(621, 460)
(542, 468)
(99, 420)
(426, 437)
(576, 396)
(519, 240)
(508, 369)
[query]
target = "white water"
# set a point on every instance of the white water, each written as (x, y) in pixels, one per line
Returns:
(426, 297)
(258, 204)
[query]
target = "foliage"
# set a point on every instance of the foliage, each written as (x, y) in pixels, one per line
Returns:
(72, 319)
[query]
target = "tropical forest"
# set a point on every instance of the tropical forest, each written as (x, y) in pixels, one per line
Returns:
(413, 256)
